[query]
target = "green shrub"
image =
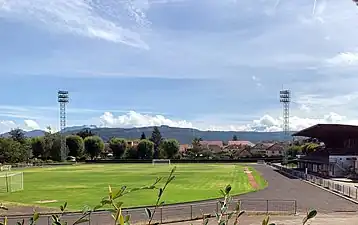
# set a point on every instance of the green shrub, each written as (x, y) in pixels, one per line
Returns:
(112, 200)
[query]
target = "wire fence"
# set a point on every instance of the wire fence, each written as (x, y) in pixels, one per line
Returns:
(346, 190)
(172, 213)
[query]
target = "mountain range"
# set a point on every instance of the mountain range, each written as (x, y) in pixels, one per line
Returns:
(183, 135)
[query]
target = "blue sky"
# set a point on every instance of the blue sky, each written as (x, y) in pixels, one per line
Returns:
(207, 64)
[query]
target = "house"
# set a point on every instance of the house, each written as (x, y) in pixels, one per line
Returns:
(132, 143)
(242, 153)
(243, 143)
(184, 148)
(338, 157)
(260, 148)
(215, 146)
(276, 149)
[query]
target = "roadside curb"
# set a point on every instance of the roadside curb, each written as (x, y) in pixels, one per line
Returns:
(323, 188)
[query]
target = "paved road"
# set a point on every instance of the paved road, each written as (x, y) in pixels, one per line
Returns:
(307, 195)
(280, 188)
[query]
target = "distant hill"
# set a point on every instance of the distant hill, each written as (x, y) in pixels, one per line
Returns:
(183, 135)
(186, 135)
(30, 134)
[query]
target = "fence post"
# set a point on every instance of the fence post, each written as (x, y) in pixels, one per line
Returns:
(161, 215)
(217, 207)
(295, 207)
(349, 191)
(89, 219)
(356, 193)
(48, 220)
(191, 212)
(267, 207)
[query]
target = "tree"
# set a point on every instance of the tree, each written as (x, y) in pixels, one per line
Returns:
(142, 137)
(75, 145)
(38, 147)
(234, 138)
(93, 146)
(12, 151)
(196, 145)
(55, 150)
(131, 153)
(85, 133)
(294, 150)
(18, 135)
(145, 149)
(157, 140)
(170, 148)
(118, 146)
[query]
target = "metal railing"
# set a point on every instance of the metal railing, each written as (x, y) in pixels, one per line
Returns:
(172, 213)
(346, 190)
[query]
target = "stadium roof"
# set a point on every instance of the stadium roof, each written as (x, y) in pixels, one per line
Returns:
(329, 130)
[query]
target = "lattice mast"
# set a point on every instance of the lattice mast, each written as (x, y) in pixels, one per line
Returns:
(63, 99)
(285, 99)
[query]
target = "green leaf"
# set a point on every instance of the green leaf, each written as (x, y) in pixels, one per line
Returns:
(160, 192)
(64, 206)
(170, 179)
(312, 214)
(127, 218)
(309, 216)
(21, 223)
(119, 204)
(228, 189)
(206, 221)
(162, 203)
(54, 218)
(222, 193)
(110, 194)
(148, 213)
(106, 202)
(230, 215)
(36, 216)
(81, 220)
(121, 219)
(120, 192)
(266, 220)
(240, 213)
(217, 216)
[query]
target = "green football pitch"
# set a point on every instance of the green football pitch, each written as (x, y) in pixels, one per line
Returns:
(81, 185)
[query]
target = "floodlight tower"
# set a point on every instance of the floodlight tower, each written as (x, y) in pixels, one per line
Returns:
(285, 98)
(63, 99)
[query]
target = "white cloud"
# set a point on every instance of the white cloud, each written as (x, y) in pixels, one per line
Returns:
(86, 18)
(344, 59)
(134, 119)
(7, 125)
(266, 123)
(31, 125)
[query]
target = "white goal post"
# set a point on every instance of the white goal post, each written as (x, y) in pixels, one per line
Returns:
(161, 161)
(11, 181)
(5, 168)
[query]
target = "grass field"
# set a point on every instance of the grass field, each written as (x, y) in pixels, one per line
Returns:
(81, 185)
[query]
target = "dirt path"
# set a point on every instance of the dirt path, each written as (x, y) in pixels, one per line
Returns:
(251, 178)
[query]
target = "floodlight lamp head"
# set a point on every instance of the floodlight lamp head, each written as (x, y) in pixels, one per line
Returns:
(63, 96)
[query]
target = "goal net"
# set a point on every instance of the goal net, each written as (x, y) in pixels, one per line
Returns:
(161, 161)
(11, 182)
